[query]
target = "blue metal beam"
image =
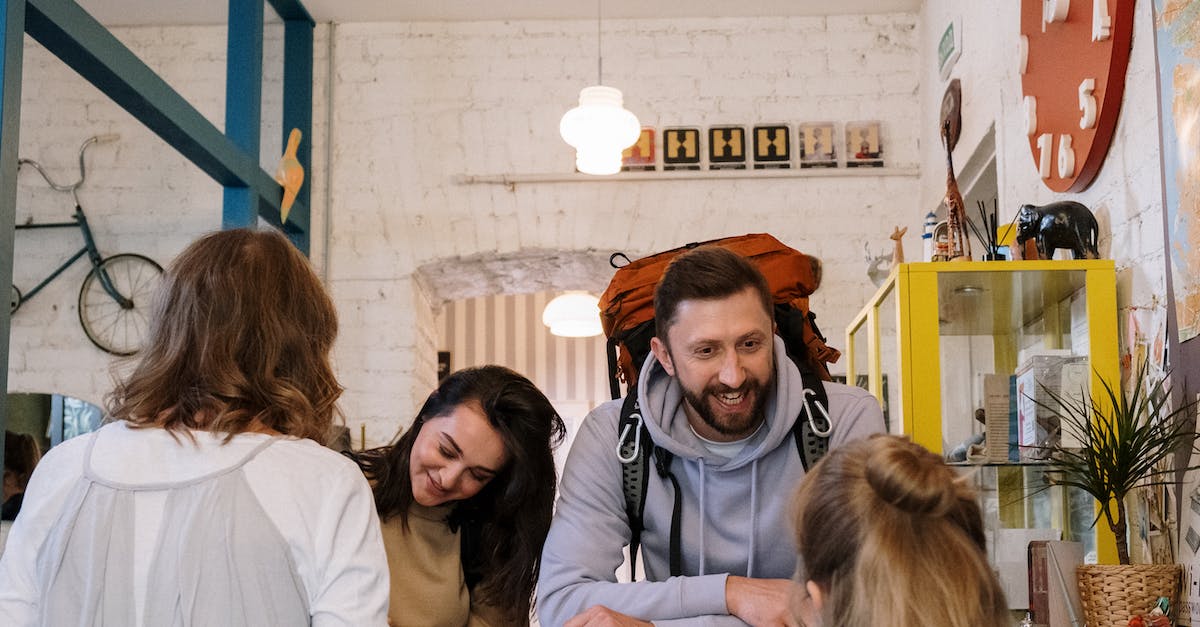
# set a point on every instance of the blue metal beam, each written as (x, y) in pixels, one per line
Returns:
(292, 11)
(297, 109)
(12, 47)
(243, 101)
(67, 31)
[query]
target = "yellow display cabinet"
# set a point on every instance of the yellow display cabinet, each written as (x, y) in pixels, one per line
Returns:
(926, 339)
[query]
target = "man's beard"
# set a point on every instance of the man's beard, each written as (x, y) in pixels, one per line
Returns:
(738, 424)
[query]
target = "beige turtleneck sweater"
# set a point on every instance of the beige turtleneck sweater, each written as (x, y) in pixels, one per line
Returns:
(428, 589)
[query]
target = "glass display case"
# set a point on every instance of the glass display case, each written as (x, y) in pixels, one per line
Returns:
(955, 350)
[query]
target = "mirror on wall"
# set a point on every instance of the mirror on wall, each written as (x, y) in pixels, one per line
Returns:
(51, 418)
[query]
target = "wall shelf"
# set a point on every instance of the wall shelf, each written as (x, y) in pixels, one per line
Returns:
(679, 175)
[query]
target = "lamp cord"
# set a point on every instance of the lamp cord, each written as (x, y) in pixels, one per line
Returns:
(599, 53)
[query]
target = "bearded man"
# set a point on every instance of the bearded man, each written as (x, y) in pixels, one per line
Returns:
(718, 392)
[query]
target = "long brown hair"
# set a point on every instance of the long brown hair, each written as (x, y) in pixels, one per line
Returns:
(893, 536)
(510, 517)
(240, 337)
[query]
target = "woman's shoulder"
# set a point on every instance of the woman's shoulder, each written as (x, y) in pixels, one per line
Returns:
(311, 458)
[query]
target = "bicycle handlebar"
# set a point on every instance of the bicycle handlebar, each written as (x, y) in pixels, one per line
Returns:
(72, 187)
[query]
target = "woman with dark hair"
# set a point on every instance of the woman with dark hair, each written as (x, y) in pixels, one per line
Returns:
(890, 535)
(21, 455)
(466, 495)
(208, 499)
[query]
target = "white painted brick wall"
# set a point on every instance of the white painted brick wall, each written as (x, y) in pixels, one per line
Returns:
(415, 106)
(1126, 195)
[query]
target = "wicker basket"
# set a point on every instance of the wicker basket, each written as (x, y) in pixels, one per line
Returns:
(1111, 595)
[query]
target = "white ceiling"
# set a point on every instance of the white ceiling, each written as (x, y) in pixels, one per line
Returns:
(180, 12)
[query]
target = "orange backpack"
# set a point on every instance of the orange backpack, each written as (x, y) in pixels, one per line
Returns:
(627, 306)
(627, 315)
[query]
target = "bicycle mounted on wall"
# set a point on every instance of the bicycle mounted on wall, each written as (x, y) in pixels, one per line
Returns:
(115, 296)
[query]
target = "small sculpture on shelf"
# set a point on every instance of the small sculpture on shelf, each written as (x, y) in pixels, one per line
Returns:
(879, 266)
(956, 216)
(1064, 224)
(898, 251)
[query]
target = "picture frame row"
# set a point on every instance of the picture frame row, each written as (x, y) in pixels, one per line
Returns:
(758, 146)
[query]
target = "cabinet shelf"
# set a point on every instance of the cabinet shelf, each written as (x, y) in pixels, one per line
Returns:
(935, 334)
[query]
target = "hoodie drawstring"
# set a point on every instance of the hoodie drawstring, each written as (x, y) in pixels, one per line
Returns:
(753, 515)
(702, 516)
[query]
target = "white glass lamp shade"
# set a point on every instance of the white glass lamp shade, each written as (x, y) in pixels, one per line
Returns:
(574, 314)
(599, 129)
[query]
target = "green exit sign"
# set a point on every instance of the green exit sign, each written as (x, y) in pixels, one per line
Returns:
(949, 47)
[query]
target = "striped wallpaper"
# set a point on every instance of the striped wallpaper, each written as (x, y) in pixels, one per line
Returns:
(508, 330)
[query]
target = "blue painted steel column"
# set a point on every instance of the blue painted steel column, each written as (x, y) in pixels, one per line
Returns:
(12, 47)
(297, 112)
(243, 102)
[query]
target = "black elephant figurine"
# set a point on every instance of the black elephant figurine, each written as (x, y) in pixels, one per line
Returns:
(1063, 224)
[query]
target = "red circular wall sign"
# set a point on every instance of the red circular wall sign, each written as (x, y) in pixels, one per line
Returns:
(1073, 55)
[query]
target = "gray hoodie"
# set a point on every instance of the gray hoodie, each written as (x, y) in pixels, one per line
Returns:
(735, 513)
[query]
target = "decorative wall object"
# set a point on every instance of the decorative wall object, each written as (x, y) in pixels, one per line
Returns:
(1073, 58)
(951, 115)
(681, 148)
(817, 145)
(772, 146)
(957, 241)
(1179, 72)
(950, 47)
(727, 148)
(863, 145)
(640, 156)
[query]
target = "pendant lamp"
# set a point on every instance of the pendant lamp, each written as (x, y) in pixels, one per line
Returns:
(600, 128)
(573, 314)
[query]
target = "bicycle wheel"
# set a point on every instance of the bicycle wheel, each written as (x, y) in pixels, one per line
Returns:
(16, 300)
(114, 328)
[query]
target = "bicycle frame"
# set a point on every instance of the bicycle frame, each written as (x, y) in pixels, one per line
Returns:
(89, 244)
(89, 248)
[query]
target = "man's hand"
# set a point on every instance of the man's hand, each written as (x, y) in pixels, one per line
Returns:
(761, 602)
(600, 616)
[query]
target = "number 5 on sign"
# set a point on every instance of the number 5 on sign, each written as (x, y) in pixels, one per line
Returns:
(1087, 103)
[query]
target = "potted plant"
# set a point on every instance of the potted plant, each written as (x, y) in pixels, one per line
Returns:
(1126, 438)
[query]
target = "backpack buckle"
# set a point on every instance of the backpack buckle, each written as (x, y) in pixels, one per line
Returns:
(808, 409)
(628, 451)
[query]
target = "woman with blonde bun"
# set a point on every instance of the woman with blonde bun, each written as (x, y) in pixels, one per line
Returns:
(888, 534)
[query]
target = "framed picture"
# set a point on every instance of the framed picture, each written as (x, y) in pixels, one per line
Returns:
(681, 148)
(772, 146)
(864, 148)
(640, 156)
(817, 145)
(727, 148)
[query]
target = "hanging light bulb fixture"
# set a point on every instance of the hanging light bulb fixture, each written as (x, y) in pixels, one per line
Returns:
(573, 314)
(600, 128)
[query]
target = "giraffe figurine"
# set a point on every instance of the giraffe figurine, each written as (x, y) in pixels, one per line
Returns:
(898, 250)
(956, 215)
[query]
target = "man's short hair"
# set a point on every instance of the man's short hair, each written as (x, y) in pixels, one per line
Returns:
(705, 273)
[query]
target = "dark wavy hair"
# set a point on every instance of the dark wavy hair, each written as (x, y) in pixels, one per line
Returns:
(240, 335)
(510, 517)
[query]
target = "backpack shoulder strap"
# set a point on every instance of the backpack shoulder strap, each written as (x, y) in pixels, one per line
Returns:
(635, 449)
(812, 426)
(635, 466)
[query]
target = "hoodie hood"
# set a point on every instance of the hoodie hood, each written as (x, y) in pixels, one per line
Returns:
(661, 402)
